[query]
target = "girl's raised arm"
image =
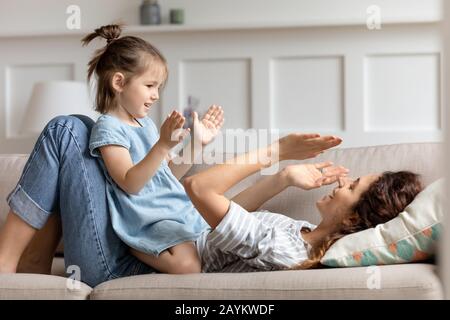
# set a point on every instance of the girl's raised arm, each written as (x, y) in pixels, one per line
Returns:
(130, 177)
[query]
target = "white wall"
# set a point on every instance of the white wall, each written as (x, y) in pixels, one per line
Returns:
(30, 15)
(288, 65)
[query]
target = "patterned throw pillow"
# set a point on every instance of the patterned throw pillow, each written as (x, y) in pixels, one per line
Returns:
(409, 237)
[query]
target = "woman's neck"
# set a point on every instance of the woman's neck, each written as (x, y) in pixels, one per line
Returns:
(318, 235)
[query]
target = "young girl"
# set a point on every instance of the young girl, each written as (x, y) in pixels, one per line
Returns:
(150, 209)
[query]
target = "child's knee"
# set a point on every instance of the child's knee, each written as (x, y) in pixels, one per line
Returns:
(81, 125)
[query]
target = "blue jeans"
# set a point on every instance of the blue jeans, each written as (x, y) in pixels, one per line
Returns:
(61, 177)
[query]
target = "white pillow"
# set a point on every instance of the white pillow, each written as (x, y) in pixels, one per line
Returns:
(411, 236)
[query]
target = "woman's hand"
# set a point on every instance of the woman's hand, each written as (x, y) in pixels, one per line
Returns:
(208, 128)
(172, 131)
(296, 146)
(311, 176)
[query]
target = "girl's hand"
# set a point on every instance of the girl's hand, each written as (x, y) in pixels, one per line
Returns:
(311, 176)
(208, 128)
(172, 131)
(296, 146)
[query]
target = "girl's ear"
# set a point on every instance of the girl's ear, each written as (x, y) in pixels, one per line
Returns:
(118, 81)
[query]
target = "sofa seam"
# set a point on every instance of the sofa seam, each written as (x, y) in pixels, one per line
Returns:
(429, 288)
(96, 295)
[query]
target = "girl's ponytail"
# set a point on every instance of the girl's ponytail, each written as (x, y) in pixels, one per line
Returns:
(129, 55)
(110, 32)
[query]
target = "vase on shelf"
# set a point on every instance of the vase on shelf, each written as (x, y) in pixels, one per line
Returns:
(150, 12)
(176, 16)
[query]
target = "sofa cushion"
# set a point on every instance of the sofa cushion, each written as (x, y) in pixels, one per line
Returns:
(41, 287)
(411, 236)
(408, 281)
(300, 204)
(58, 267)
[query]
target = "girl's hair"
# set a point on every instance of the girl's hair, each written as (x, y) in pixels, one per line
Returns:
(384, 200)
(128, 55)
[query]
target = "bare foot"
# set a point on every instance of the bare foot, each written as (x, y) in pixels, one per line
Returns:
(25, 250)
(35, 263)
(7, 268)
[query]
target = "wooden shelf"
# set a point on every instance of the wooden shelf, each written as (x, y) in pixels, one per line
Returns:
(167, 28)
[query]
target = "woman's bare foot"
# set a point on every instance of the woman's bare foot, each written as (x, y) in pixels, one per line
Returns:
(25, 249)
(38, 255)
(7, 268)
(15, 235)
(31, 262)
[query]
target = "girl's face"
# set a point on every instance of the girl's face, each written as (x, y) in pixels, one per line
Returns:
(141, 92)
(339, 203)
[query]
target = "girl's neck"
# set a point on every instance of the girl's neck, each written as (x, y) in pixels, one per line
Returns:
(124, 116)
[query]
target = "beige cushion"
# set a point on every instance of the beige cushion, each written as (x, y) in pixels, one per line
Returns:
(41, 287)
(412, 281)
(300, 204)
(58, 267)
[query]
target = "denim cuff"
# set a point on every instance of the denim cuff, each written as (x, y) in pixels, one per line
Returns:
(28, 210)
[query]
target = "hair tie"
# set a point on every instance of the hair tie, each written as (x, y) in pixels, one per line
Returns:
(108, 41)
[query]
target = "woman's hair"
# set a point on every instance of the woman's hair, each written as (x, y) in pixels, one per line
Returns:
(384, 200)
(128, 55)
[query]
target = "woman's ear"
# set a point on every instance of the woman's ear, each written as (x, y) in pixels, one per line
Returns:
(118, 81)
(342, 215)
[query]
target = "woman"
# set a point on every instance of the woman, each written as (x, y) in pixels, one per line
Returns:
(242, 241)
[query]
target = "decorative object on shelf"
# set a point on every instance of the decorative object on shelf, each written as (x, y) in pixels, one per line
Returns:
(54, 98)
(150, 12)
(192, 106)
(176, 16)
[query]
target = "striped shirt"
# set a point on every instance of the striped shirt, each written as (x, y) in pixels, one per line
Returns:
(257, 241)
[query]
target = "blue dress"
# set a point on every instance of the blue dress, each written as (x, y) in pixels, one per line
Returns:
(161, 215)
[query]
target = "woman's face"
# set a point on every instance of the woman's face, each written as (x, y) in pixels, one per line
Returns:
(339, 203)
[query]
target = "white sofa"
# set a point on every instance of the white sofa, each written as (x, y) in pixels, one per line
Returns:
(406, 281)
